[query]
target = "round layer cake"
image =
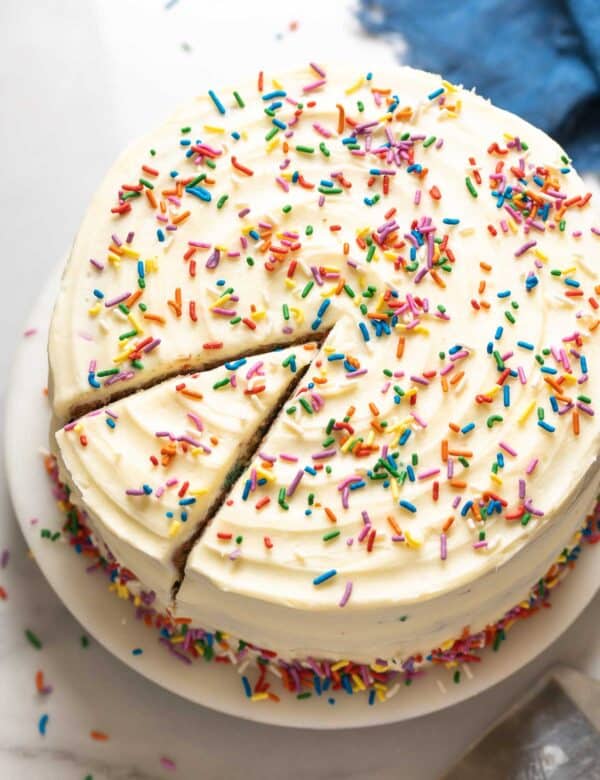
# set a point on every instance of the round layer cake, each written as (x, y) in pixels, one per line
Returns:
(324, 361)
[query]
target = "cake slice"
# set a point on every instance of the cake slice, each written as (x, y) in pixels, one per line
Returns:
(150, 468)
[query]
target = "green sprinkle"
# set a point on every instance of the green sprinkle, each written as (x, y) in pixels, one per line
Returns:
(130, 334)
(309, 230)
(272, 133)
(510, 317)
(331, 535)
(324, 149)
(305, 149)
(238, 100)
(471, 187)
(286, 311)
(308, 287)
(429, 141)
(286, 209)
(33, 639)
(330, 190)
(147, 183)
(222, 201)
(221, 383)
(250, 261)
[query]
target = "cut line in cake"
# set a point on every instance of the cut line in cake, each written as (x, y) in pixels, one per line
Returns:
(192, 432)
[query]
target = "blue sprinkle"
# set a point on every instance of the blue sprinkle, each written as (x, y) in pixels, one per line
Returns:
(371, 697)
(110, 422)
(466, 507)
(327, 575)
(411, 472)
(546, 426)
(405, 437)
(92, 381)
(160, 235)
(584, 365)
(336, 356)
(246, 491)
(199, 192)
(451, 221)
(247, 688)
(499, 332)
(435, 93)
(42, 723)
(99, 294)
(408, 506)
(467, 428)
(525, 345)
(216, 101)
(187, 501)
(323, 307)
(504, 294)
(137, 651)
(364, 331)
(506, 395)
(275, 94)
(147, 489)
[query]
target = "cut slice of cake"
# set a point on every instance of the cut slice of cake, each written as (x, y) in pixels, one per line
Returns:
(150, 468)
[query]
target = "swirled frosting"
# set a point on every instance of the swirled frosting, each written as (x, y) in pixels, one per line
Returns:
(441, 448)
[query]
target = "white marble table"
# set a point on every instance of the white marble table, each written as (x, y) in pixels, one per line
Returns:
(79, 78)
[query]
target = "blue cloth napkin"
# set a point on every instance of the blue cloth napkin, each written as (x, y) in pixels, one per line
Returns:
(537, 58)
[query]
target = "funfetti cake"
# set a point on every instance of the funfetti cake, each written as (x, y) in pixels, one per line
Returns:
(441, 448)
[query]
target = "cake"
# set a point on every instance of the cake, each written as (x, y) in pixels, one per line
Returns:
(323, 363)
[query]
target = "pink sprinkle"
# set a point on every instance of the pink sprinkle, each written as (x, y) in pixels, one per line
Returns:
(443, 547)
(196, 420)
(167, 763)
(479, 545)
(287, 457)
(314, 85)
(522, 249)
(346, 595)
(30, 332)
(507, 448)
(429, 473)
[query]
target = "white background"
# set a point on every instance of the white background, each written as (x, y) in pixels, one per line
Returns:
(78, 80)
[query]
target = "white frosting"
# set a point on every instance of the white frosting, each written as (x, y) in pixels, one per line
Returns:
(195, 434)
(521, 282)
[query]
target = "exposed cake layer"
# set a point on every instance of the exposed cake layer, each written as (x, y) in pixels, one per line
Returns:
(149, 469)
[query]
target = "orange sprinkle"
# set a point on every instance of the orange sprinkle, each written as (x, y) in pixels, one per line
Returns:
(241, 167)
(575, 422)
(330, 514)
(100, 736)
(448, 523)
(400, 347)
(444, 450)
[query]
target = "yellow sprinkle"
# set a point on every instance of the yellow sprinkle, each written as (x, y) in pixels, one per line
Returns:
(78, 428)
(135, 324)
(174, 528)
(259, 696)
(220, 301)
(370, 438)
(449, 86)
(298, 314)
(358, 683)
(395, 490)
(413, 540)
(571, 270)
(273, 143)
(258, 315)
(512, 225)
(198, 492)
(570, 378)
(214, 129)
(129, 252)
(151, 266)
(348, 443)
(277, 84)
(330, 292)
(339, 665)
(290, 283)
(381, 695)
(265, 475)
(495, 478)
(540, 255)
(526, 412)
(176, 640)
(356, 86)
(94, 310)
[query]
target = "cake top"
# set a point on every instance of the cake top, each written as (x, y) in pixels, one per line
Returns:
(450, 414)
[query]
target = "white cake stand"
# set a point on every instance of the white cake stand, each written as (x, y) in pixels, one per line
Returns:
(112, 621)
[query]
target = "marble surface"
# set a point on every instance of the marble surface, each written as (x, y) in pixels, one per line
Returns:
(78, 79)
